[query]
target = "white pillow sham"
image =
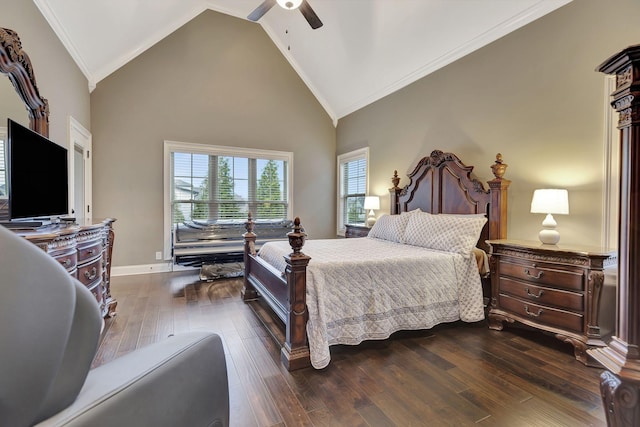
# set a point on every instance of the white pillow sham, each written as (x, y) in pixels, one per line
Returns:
(450, 233)
(389, 227)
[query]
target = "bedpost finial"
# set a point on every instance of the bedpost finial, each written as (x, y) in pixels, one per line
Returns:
(296, 237)
(395, 179)
(248, 225)
(499, 168)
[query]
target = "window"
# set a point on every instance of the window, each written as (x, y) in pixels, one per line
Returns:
(3, 163)
(210, 184)
(353, 171)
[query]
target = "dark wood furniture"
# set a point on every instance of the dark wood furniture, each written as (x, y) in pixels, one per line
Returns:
(85, 251)
(356, 230)
(620, 384)
(553, 288)
(440, 183)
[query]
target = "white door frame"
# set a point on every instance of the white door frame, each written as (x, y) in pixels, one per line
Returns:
(80, 137)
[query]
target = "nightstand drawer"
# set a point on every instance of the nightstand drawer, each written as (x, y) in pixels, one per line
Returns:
(543, 314)
(544, 274)
(542, 295)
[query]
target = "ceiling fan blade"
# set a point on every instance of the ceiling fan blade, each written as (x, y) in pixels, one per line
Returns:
(310, 15)
(261, 10)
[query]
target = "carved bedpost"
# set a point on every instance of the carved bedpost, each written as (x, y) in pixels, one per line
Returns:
(248, 291)
(295, 352)
(620, 385)
(498, 188)
(394, 192)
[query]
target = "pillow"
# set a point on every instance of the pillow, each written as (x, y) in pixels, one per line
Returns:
(449, 233)
(416, 210)
(390, 227)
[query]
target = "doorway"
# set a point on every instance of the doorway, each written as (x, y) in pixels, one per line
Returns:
(80, 203)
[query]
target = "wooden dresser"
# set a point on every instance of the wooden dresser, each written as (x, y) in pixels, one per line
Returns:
(85, 251)
(553, 288)
(356, 230)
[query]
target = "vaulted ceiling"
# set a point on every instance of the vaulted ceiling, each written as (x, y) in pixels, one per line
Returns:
(365, 50)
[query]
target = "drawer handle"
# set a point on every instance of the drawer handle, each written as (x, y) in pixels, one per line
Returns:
(66, 262)
(526, 310)
(91, 251)
(534, 295)
(528, 273)
(92, 275)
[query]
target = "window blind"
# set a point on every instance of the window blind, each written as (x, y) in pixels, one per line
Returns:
(353, 182)
(215, 188)
(3, 169)
(354, 190)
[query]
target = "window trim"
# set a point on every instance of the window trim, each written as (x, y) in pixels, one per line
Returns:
(361, 153)
(218, 150)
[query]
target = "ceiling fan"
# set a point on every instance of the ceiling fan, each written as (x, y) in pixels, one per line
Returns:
(303, 5)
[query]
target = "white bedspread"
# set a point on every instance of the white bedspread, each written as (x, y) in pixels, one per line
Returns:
(364, 289)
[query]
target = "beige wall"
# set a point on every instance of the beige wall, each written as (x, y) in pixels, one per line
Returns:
(58, 77)
(533, 96)
(217, 80)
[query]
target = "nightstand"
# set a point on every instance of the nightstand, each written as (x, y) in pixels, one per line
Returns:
(554, 288)
(356, 230)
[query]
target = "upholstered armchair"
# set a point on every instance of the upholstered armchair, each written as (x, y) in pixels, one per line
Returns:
(49, 330)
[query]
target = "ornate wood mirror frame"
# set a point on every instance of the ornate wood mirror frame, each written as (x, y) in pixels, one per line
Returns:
(15, 63)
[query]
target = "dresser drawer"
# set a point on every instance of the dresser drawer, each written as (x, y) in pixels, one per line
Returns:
(97, 294)
(91, 272)
(543, 314)
(69, 260)
(90, 251)
(542, 295)
(544, 274)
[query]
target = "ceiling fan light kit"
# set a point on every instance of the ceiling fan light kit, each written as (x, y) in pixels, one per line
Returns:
(289, 4)
(302, 5)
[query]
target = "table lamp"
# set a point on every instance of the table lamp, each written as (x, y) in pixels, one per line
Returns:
(550, 201)
(371, 203)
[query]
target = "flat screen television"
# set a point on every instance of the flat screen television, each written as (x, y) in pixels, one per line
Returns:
(38, 186)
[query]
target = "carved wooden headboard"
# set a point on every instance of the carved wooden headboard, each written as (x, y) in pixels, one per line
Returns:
(441, 183)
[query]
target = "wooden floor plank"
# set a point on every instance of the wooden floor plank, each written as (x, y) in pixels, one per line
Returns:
(454, 374)
(258, 395)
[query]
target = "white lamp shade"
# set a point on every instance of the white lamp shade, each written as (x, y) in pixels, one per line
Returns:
(289, 4)
(372, 202)
(550, 201)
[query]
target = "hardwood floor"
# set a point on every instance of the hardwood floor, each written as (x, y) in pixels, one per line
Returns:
(455, 374)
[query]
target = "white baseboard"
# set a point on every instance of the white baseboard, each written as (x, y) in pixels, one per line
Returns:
(164, 267)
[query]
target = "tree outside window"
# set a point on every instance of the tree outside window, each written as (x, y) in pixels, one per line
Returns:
(217, 188)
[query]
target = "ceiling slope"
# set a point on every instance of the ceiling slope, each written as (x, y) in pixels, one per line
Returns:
(365, 50)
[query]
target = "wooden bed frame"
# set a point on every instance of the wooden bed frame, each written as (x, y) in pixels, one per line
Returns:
(440, 183)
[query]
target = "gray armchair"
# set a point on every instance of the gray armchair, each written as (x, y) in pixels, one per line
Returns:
(49, 330)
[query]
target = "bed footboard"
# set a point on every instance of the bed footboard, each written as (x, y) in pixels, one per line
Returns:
(286, 296)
